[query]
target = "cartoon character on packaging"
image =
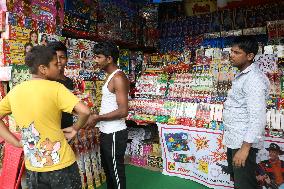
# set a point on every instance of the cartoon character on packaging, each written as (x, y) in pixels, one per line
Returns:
(177, 142)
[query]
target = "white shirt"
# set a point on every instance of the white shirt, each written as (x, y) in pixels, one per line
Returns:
(244, 112)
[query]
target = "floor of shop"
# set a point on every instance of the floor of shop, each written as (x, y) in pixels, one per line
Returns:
(140, 178)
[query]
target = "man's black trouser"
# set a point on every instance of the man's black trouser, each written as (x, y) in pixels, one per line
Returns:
(113, 148)
(66, 178)
(244, 177)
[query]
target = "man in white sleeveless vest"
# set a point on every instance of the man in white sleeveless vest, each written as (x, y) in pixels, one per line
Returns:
(111, 119)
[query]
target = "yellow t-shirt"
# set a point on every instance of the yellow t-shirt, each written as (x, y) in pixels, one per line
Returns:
(37, 106)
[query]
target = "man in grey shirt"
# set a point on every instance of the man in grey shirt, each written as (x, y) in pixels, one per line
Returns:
(245, 113)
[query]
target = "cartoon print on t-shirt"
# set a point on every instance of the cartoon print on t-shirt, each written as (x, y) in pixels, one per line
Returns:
(39, 154)
(49, 152)
(30, 139)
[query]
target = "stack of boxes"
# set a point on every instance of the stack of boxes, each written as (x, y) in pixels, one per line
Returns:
(145, 154)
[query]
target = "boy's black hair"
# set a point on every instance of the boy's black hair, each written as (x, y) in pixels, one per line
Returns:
(57, 46)
(107, 49)
(39, 55)
(247, 43)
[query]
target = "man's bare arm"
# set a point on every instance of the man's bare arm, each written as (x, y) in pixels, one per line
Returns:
(83, 113)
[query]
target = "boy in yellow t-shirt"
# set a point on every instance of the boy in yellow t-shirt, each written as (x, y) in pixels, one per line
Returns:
(37, 106)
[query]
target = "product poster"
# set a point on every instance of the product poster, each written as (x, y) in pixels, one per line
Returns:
(44, 16)
(199, 155)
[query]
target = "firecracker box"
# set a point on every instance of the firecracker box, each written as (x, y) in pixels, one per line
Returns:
(90, 85)
(15, 19)
(157, 148)
(147, 149)
(15, 32)
(154, 160)
(17, 58)
(136, 148)
(12, 46)
(138, 160)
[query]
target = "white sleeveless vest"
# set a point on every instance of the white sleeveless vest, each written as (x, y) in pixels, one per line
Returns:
(108, 105)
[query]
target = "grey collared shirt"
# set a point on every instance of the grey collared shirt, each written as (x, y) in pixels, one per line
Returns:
(244, 112)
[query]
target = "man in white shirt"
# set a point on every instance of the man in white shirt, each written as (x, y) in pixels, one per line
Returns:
(245, 113)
